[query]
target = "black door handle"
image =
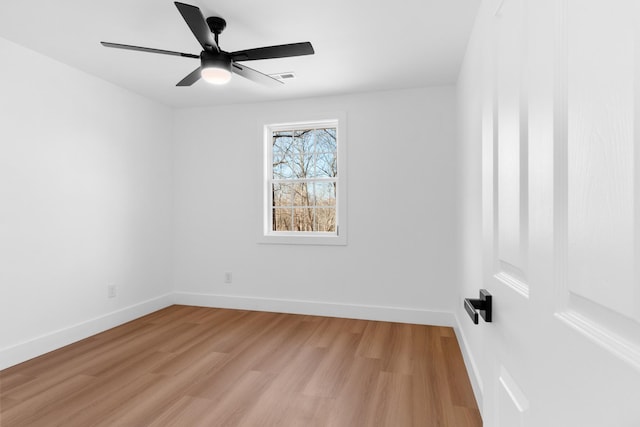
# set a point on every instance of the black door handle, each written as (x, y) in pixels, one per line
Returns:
(482, 306)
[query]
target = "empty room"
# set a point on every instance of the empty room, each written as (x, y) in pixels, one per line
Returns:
(338, 213)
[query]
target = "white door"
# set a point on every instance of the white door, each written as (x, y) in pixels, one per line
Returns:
(561, 213)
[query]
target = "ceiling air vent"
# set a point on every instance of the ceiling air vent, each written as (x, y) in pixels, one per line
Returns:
(283, 76)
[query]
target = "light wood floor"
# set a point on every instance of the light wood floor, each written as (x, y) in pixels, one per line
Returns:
(192, 366)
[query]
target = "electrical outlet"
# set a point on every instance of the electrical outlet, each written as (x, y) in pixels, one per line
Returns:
(111, 290)
(228, 277)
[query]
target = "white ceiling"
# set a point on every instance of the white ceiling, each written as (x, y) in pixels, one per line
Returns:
(360, 45)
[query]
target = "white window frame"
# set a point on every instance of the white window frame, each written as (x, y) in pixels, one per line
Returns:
(339, 237)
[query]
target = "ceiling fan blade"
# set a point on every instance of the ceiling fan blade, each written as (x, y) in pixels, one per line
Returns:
(198, 26)
(279, 51)
(191, 78)
(148, 49)
(254, 75)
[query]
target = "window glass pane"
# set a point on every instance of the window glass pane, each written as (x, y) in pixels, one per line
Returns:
(297, 163)
(300, 157)
(306, 140)
(325, 194)
(303, 219)
(282, 220)
(302, 195)
(326, 140)
(282, 167)
(325, 220)
(326, 165)
(311, 189)
(283, 194)
(282, 141)
(304, 165)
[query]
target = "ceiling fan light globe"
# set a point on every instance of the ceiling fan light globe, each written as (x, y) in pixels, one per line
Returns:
(215, 75)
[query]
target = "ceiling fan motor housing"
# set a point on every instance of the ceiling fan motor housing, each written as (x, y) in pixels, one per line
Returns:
(215, 60)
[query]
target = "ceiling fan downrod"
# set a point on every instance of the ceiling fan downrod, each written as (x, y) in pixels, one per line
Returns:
(217, 26)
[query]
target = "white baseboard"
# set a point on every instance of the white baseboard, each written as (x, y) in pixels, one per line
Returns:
(316, 308)
(470, 363)
(38, 346)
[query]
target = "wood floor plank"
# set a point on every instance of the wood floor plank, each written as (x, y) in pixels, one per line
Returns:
(142, 407)
(191, 366)
(176, 363)
(285, 346)
(42, 398)
(279, 400)
(372, 344)
(398, 355)
(11, 380)
(7, 403)
(392, 403)
(187, 411)
(357, 396)
(334, 370)
(426, 395)
(235, 405)
(457, 379)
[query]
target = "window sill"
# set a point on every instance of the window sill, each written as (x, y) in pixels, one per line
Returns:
(308, 239)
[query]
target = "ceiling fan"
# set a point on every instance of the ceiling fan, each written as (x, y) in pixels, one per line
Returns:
(216, 65)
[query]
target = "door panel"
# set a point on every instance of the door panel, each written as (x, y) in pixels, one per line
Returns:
(600, 295)
(512, 404)
(511, 141)
(601, 165)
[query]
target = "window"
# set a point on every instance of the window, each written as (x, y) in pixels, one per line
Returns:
(304, 183)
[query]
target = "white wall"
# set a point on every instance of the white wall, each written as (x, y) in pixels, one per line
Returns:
(402, 226)
(85, 199)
